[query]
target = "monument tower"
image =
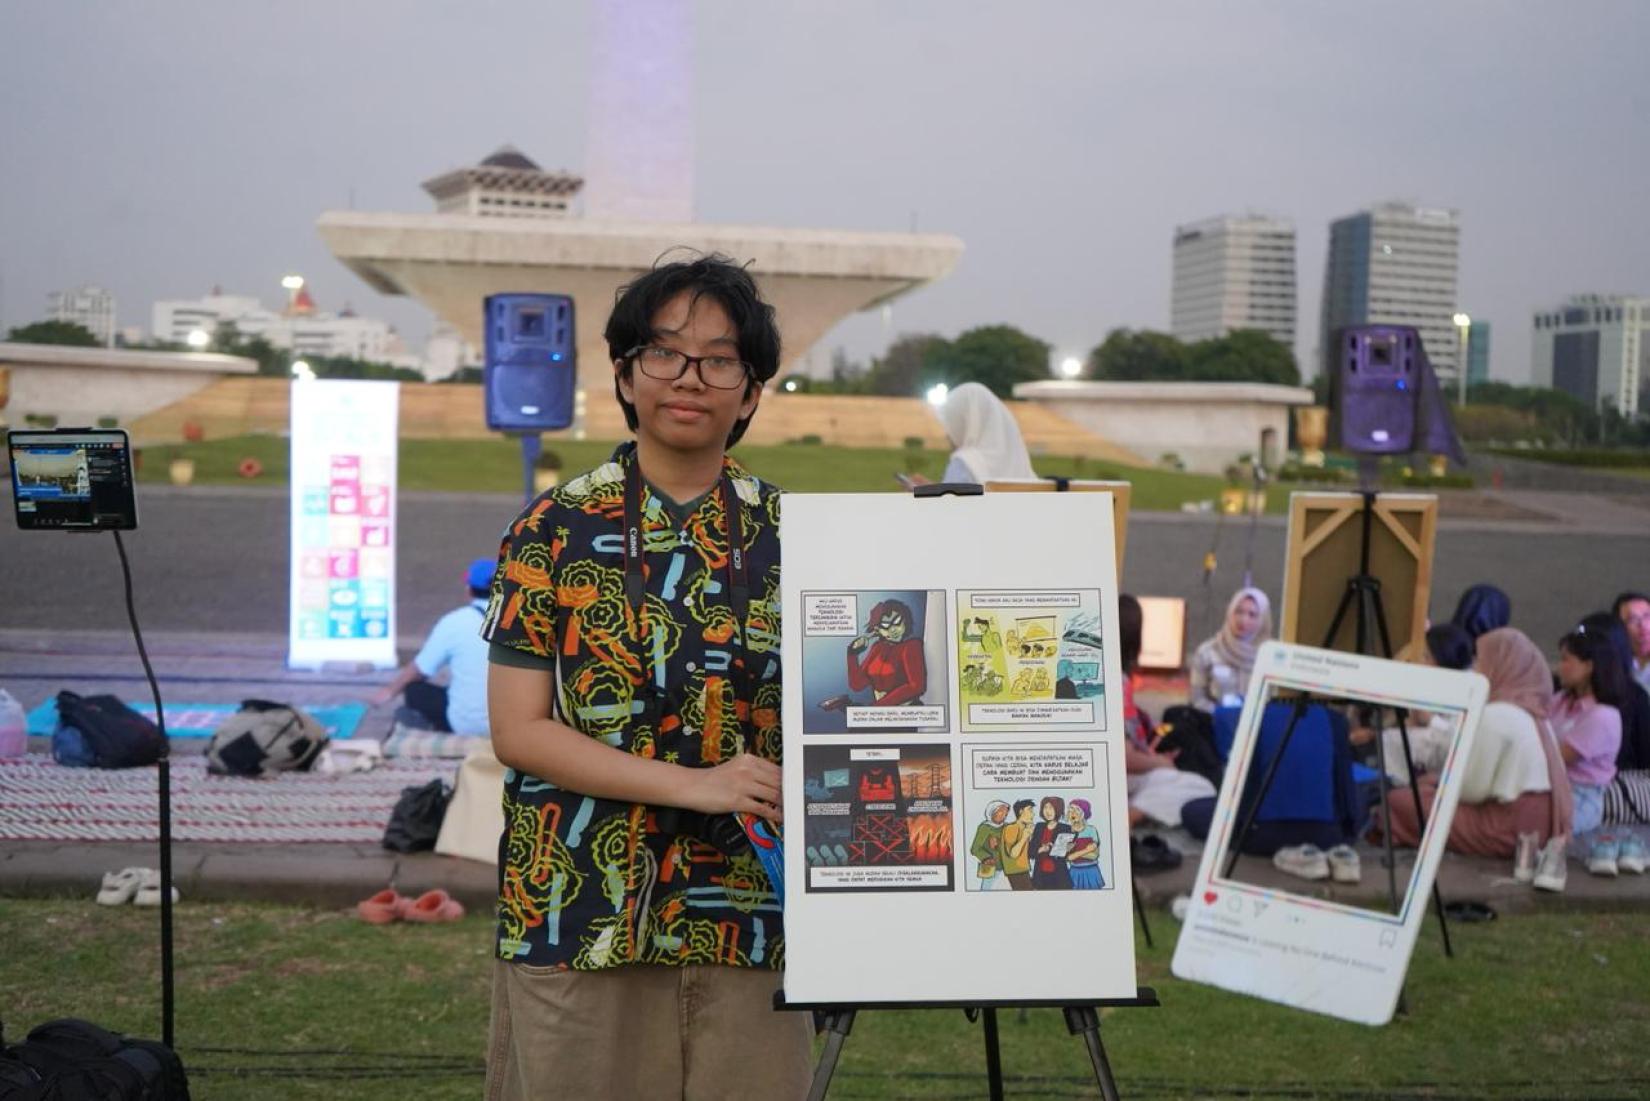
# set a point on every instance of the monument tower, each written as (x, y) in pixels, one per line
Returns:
(506, 225)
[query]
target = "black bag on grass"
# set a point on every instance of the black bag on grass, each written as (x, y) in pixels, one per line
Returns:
(416, 821)
(110, 734)
(73, 1060)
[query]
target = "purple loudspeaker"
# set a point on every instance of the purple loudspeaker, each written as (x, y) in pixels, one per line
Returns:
(1380, 373)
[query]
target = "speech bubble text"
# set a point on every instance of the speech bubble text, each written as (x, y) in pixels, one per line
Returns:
(827, 614)
(1062, 767)
(1025, 599)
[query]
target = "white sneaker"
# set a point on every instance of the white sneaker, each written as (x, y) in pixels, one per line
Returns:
(1601, 859)
(148, 894)
(1344, 865)
(118, 888)
(1553, 865)
(1632, 857)
(1525, 857)
(1303, 861)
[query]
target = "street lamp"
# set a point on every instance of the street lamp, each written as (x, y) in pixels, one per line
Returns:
(198, 339)
(1071, 367)
(1463, 328)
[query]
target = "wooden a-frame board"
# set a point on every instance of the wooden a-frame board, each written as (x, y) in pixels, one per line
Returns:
(1325, 532)
(1120, 493)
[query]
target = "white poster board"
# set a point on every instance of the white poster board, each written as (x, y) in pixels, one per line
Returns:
(950, 679)
(1304, 948)
(342, 591)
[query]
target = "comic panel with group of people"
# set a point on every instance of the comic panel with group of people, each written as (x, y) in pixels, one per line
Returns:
(1038, 817)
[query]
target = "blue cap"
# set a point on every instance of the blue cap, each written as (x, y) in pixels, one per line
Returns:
(480, 573)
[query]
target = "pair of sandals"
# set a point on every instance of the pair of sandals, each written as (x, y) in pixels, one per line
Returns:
(139, 886)
(428, 908)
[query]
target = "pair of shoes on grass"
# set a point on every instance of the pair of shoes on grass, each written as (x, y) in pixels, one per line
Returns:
(428, 908)
(1340, 863)
(139, 886)
(1611, 856)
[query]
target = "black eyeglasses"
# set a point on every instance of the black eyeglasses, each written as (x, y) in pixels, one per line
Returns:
(667, 365)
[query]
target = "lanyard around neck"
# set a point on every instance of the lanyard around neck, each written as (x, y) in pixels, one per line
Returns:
(635, 583)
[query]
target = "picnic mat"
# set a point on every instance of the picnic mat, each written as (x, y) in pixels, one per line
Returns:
(41, 800)
(198, 720)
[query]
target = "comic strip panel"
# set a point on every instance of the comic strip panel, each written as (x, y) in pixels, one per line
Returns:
(874, 662)
(1030, 660)
(1036, 818)
(877, 818)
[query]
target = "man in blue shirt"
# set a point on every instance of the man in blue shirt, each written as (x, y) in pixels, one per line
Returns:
(455, 642)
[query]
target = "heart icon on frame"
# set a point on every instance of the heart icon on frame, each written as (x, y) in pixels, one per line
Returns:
(1209, 897)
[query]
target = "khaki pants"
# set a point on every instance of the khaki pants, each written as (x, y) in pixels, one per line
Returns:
(700, 1033)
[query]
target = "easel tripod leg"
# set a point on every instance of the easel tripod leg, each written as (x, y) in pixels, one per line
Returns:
(993, 1054)
(1140, 912)
(1085, 1019)
(838, 1023)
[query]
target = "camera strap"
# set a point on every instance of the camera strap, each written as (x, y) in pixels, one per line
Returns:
(635, 585)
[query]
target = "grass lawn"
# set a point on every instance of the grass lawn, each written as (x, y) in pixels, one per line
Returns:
(494, 466)
(1551, 1005)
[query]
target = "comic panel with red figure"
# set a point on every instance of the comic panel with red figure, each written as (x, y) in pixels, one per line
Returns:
(874, 662)
(878, 818)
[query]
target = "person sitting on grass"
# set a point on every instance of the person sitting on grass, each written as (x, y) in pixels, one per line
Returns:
(1513, 781)
(454, 643)
(1157, 787)
(1222, 664)
(1482, 608)
(1586, 716)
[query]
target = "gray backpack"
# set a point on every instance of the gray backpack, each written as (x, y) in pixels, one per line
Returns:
(264, 736)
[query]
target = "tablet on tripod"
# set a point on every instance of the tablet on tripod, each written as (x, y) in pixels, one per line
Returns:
(72, 479)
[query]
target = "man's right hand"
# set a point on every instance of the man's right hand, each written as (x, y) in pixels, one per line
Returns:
(746, 783)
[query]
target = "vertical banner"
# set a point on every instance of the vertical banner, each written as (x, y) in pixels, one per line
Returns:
(956, 822)
(342, 595)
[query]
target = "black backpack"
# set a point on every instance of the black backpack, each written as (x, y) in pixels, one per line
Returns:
(72, 1060)
(112, 735)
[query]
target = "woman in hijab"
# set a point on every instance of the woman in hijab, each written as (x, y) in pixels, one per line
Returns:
(1221, 666)
(1482, 608)
(1514, 780)
(985, 437)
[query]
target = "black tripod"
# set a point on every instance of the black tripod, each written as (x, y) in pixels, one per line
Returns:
(1363, 597)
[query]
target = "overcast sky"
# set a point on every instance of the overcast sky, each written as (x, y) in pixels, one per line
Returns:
(164, 147)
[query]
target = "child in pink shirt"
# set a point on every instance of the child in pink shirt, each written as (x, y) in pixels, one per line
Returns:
(1586, 719)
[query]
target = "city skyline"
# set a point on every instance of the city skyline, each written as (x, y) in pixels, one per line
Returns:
(1065, 182)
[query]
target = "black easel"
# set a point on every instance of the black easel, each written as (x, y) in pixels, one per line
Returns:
(837, 1021)
(1363, 594)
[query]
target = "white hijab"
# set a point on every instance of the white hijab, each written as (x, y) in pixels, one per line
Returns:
(984, 434)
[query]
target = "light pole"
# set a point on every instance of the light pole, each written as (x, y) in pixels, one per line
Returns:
(293, 284)
(1463, 328)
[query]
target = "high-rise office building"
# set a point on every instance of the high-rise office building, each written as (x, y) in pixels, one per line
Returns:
(1234, 272)
(90, 307)
(1478, 352)
(1395, 264)
(1596, 348)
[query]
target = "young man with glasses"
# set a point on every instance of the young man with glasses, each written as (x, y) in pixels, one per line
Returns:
(635, 698)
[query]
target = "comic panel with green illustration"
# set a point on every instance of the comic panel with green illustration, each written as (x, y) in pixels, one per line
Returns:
(1030, 660)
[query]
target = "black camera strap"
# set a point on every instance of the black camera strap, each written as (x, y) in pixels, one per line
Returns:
(635, 586)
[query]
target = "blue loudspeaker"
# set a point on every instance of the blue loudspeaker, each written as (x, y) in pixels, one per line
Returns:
(530, 362)
(1379, 371)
